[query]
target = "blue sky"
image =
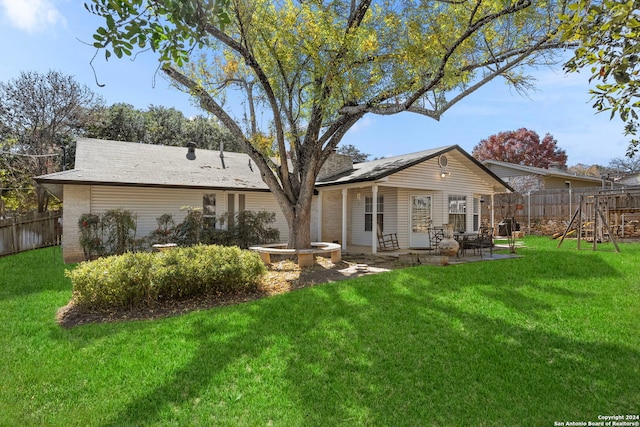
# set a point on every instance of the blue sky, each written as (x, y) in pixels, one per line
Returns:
(39, 35)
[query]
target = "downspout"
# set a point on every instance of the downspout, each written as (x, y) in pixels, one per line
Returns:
(344, 218)
(374, 220)
(319, 202)
(493, 216)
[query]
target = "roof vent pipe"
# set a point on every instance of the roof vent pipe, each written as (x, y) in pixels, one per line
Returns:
(222, 154)
(191, 150)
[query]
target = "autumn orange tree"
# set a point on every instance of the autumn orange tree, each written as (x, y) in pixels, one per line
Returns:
(314, 68)
(521, 147)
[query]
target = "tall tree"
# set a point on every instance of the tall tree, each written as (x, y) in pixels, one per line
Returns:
(40, 113)
(588, 170)
(158, 125)
(522, 147)
(207, 133)
(353, 152)
(119, 122)
(163, 125)
(315, 68)
(606, 33)
(625, 165)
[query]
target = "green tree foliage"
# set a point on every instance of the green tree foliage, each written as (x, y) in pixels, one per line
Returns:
(353, 151)
(521, 147)
(159, 125)
(119, 122)
(163, 125)
(313, 69)
(207, 133)
(607, 35)
(39, 114)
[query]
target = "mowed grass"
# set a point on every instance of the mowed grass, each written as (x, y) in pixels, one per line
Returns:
(552, 336)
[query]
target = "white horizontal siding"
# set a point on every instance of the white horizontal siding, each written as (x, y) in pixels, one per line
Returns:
(358, 235)
(464, 177)
(149, 203)
(266, 202)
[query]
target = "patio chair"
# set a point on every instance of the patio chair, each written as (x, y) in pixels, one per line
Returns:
(435, 237)
(485, 240)
(387, 242)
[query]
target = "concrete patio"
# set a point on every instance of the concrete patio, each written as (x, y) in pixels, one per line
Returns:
(432, 256)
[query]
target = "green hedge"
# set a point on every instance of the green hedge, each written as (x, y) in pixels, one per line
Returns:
(143, 279)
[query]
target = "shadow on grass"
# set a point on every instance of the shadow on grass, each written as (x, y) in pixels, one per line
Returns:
(400, 349)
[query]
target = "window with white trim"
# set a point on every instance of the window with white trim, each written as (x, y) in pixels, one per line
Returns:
(476, 213)
(209, 210)
(368, 213)
(458, 212)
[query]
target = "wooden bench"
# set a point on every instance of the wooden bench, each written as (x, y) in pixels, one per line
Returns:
(305, 256)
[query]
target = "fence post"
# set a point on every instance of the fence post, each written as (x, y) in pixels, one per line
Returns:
(14, 235)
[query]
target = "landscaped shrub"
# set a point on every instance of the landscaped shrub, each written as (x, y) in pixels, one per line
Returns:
(165, 233)
(143, 279)
(91, 235)
(247, 228)
(119, 230)
(189, 231)
(111, 233)
(243, 229)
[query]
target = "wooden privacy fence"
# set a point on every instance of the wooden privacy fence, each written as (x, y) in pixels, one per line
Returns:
(546, 205)
(28, 232)
(549, 211)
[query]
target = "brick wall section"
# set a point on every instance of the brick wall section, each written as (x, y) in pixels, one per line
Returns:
(335, 164)
(77, 200)
(332, 216)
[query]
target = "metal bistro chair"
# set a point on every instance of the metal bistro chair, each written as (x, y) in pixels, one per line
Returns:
(435, 237)
(485, 240)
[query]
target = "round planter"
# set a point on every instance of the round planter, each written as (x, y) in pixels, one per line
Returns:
(449, 246)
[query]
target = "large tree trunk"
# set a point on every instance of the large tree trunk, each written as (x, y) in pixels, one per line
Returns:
(299, 230)
(42, 198)
(299, 221)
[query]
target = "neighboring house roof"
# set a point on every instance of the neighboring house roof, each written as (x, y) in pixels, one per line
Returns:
(520, 170)
(378, 169)
(631, 179)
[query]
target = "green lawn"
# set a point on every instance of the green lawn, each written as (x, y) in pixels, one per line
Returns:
(552, 336)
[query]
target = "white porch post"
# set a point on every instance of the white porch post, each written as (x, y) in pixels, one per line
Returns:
(344, 218)
(493, 219)
(319, 216)
(374, 220)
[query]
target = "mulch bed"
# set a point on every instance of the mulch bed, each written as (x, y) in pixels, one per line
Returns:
(283, 276)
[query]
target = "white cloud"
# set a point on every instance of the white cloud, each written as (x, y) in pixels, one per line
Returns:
(33, 15)
(362, 124)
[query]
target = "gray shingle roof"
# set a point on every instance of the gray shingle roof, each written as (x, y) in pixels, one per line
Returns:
(127, 163)
(532, 170)
(377, 169)
(133, 164)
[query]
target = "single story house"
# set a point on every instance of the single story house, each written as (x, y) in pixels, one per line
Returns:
(531, 178)
(412, 192)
